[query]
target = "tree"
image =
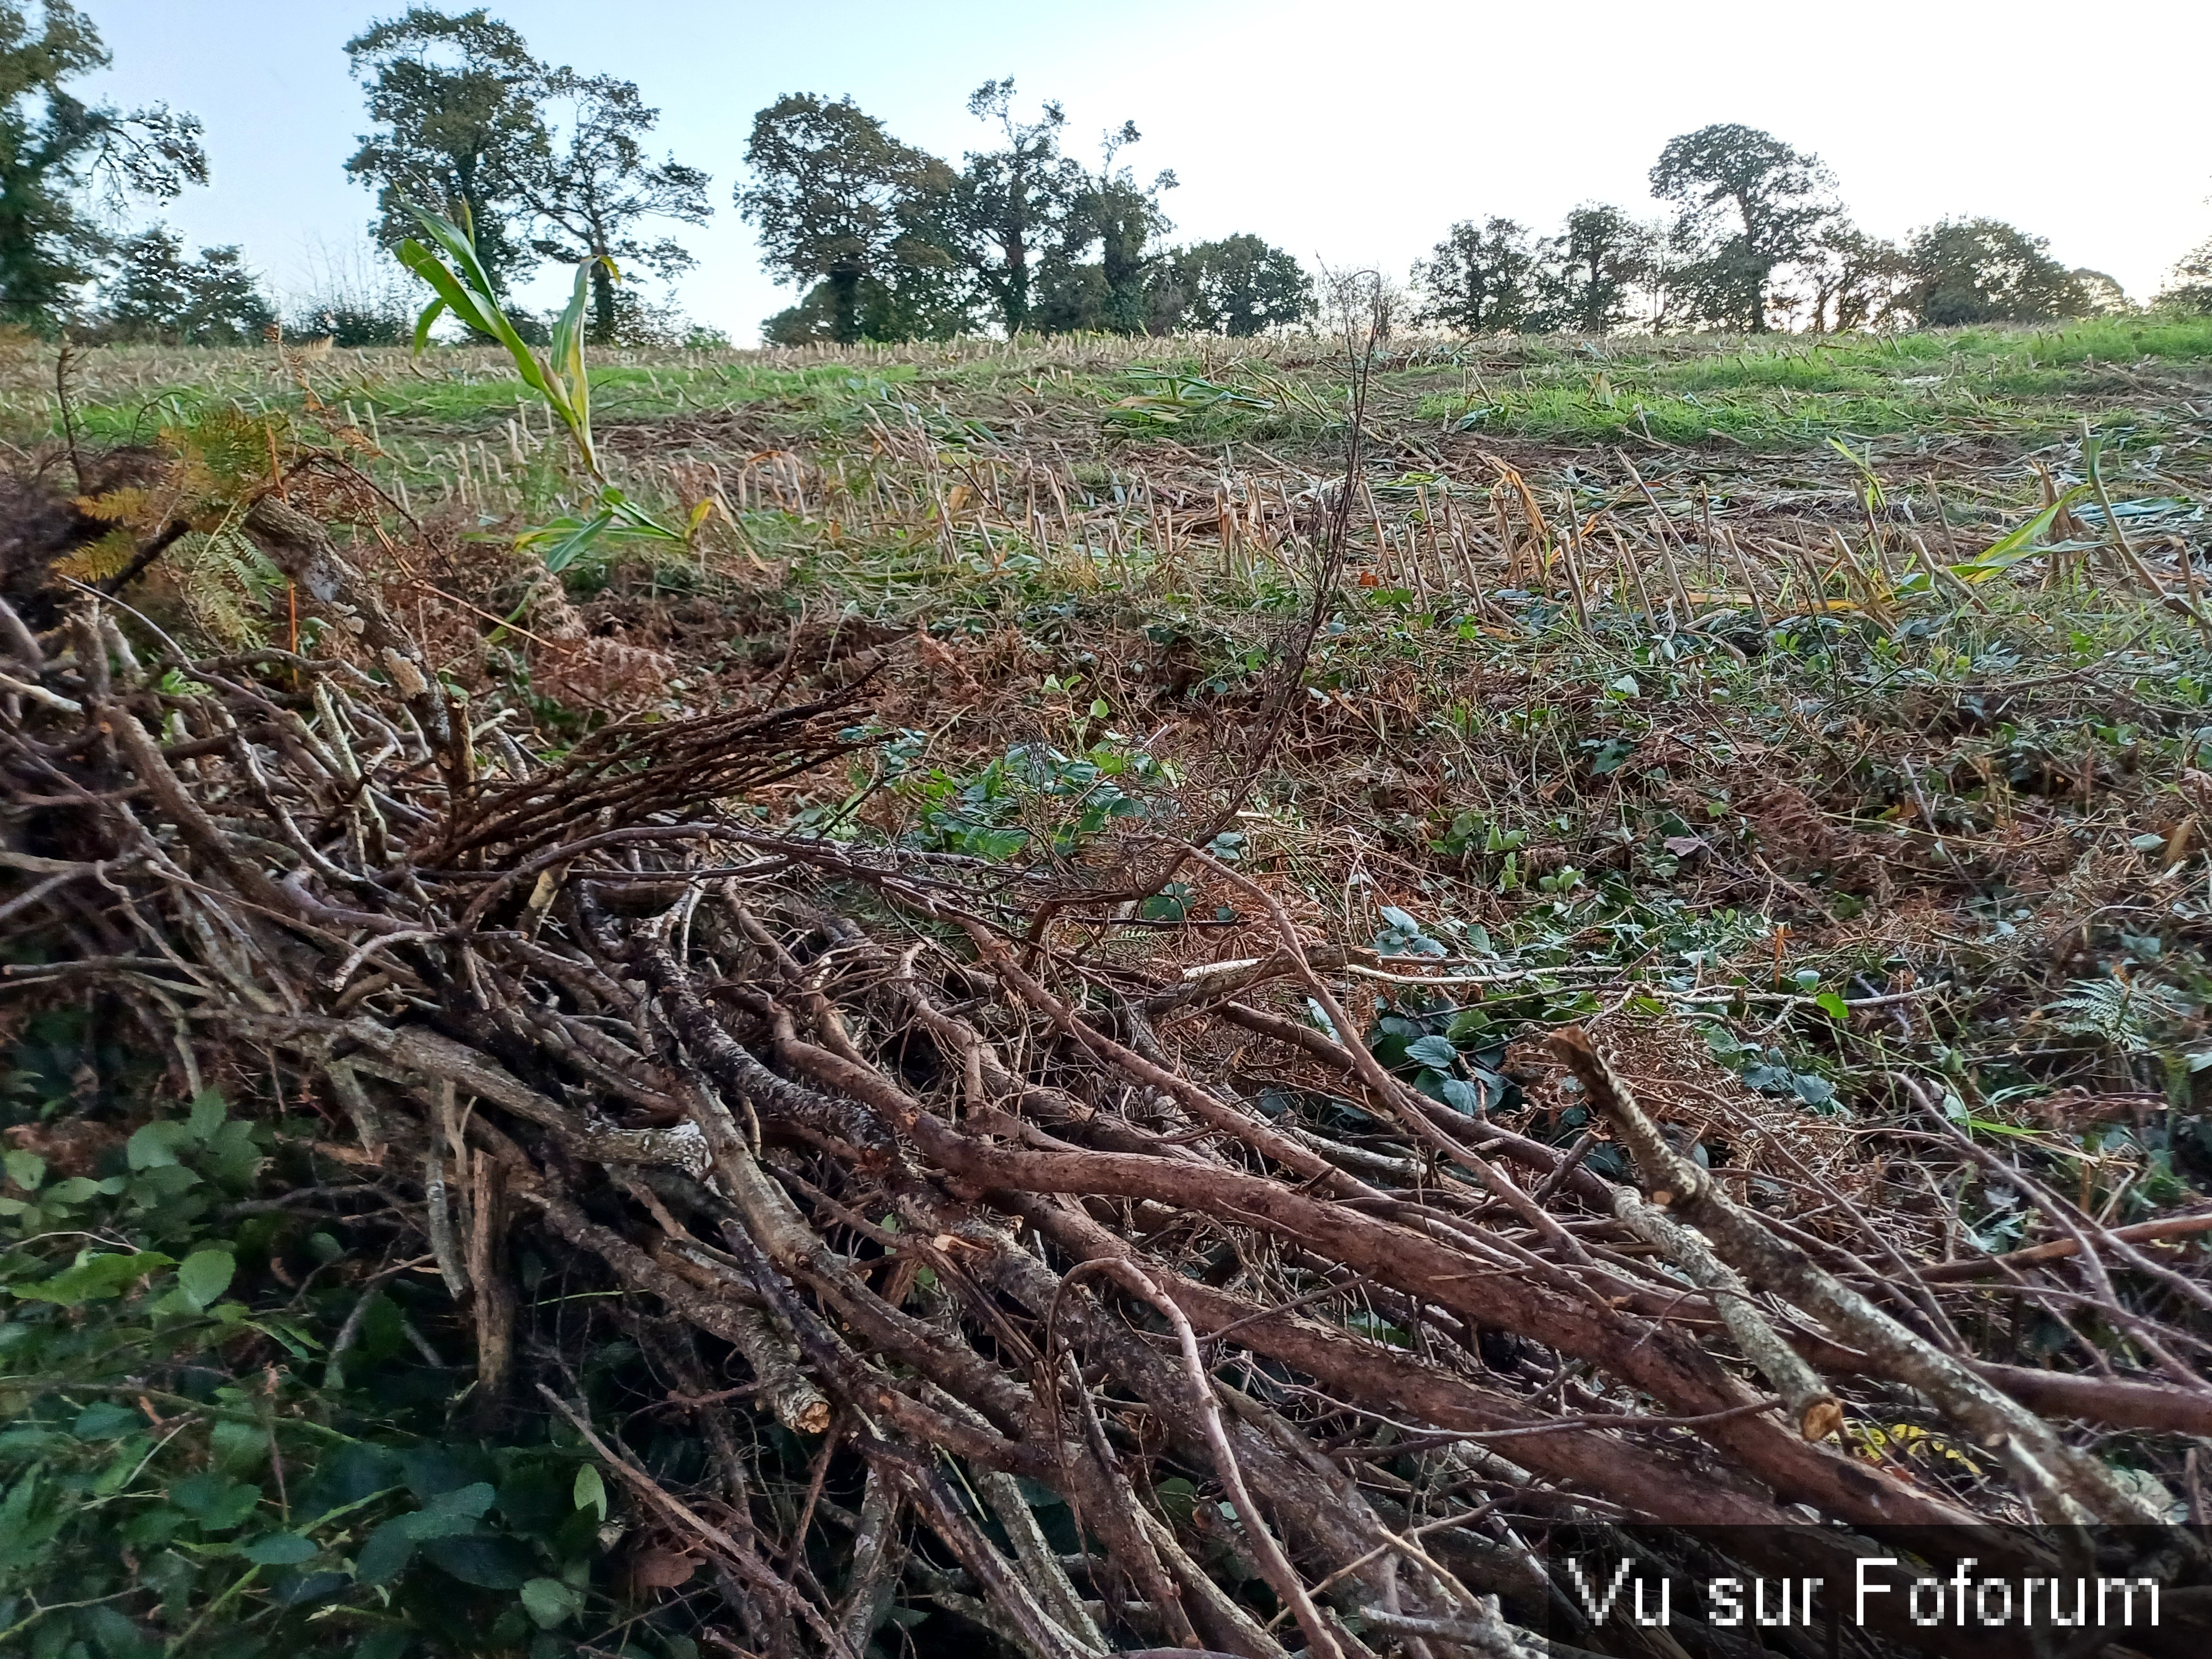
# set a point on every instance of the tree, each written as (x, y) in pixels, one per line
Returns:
(157, 293)
(1011, 202)
(2101, 293)
(1589, 273)
(838, 200)
(1753, 203)
(1121, 217)
(1853, 279)
(61, 158)
(1479, 280)
(589, 191)
(1984, 270)
(1238, 286)
(456, 100)
(2190, 288)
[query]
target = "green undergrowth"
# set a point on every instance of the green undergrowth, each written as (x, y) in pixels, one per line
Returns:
(1771, 391)
(223, 1442)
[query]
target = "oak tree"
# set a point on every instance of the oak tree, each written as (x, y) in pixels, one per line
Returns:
(839, 201)
(63, 160)
(1480, 279)
(1752, 204)
(456, 102)
(590, 189)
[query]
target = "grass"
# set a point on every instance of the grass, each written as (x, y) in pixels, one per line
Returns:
(1640, 698)
(1746, 724)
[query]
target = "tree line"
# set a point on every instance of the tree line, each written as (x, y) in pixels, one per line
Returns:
(1754, 239)
(884, 241)
(890, 242)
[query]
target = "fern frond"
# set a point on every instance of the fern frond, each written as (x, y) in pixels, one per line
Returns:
(96, 561)
(2119, 1012)
(225, 583)
(129, 505)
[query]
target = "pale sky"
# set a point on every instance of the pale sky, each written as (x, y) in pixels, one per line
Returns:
(1344, 133)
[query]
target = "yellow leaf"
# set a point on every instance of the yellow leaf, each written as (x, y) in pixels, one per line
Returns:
(96, 561)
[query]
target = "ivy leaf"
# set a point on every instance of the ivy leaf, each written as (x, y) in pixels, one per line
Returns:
(105, 1421)
(489, 1563)
(1813, 1091)
(1463, 1096)
(1433, 1051)
(216, 1501)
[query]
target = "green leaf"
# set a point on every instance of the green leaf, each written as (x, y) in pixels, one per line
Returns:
(1178, 1499)
(1433, 1051)
(154, 1145)
(549, 1601)
(279, 1549)
(1463, 1096)
(431, 312)
(2009, 550)
(452, 1513)
(487, 1563)
(591, 1492)
(204, 1275)
(385, 1554)
(26, 1169)
(117, 1637)
(216, 1500)
(75, 1189)
(94, 1278)
(1833, 1006)
(572, 547)
(456, 298)
(209, 1110)
(105, 1421)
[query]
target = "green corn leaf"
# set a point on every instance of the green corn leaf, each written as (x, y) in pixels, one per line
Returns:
(449, 288)
(431, 312)
(2016, 545)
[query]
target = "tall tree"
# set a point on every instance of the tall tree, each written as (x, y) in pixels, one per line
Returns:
(591, 188)
(1851, 279)
(1013, 201)
(1984, 270)
(2101, 293)
(2190, 288)
(1238, 286)
(1590, 272)
(456, 98)
(62, 158)
(1126, 216)
(1119, 217)
(1479, 278)
(157, 293)
(838, 200)
(1755, 203)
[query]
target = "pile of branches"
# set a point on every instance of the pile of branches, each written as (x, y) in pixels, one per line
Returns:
(974, 1215)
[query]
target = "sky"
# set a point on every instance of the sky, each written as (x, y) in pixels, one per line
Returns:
(1349, 135)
